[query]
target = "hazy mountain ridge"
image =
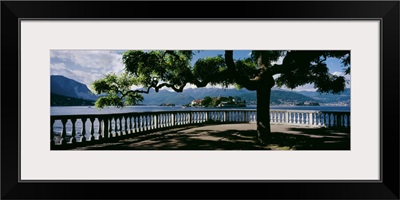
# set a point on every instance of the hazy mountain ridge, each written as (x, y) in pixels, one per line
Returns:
(187, 95)
(61, 85)
(329, 98)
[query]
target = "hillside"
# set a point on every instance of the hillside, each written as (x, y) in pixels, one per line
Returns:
(329, 98)
(68, 87)
(277, 96)
(60, 100)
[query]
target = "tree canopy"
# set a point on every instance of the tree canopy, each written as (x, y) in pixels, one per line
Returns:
(173, 69)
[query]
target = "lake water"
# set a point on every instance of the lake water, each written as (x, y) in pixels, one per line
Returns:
(76, 110)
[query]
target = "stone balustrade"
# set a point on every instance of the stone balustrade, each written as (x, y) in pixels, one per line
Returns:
(71, 130)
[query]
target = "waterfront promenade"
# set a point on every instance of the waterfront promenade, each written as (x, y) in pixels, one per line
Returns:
(240, 136)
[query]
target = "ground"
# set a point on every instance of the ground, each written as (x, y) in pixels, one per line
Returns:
(232, 137)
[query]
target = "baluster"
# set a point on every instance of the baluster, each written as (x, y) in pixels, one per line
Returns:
(315, 118)
(342, 120)
(278, 116)
(181, 118)
(64, 132)
(140, 123)
(52, 142)
(116, 124)
(237, 115)
(144, 118)
(100, 130)
(83, 135)
(129, 124)
(120, 128)
(114, 127)
(225, 116)
(92, 138)
(126, 125)
(329, 120)
(146, 122)
(150, 121)
(135, 122)
(298, 118)
(73, 132)
(334, 122)
(302, 119)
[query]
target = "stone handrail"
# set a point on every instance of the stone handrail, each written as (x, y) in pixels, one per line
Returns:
(70, 130)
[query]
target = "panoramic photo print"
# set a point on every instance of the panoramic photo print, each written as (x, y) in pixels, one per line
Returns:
(200, 100)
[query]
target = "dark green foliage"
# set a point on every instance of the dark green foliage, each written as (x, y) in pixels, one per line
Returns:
(60, 100)
(117, 89)
(172, 69)
(302, 67)
(206, 101)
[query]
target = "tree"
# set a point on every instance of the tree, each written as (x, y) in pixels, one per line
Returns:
(206, 101)
(117, 90)
(157, 69)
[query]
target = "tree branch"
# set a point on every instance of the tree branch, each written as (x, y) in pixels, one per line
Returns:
(278, 69)
(239, 78)
(179, 89)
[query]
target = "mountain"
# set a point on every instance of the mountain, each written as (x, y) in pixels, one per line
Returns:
(343, 97)
(166, 97)
(67, 87)
(185, 97)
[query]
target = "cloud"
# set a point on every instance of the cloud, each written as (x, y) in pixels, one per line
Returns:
(85, 66)
(306, 87)
(279, 61)
(102, 60)
(84, 77)
(57, 66)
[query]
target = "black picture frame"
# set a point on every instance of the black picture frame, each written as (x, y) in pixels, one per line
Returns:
(13, 11)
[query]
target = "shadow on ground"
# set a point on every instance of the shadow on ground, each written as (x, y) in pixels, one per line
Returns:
(204, 139)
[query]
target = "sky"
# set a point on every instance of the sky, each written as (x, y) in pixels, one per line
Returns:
(86, 66)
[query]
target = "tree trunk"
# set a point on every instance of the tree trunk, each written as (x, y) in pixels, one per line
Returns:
(263, 115)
